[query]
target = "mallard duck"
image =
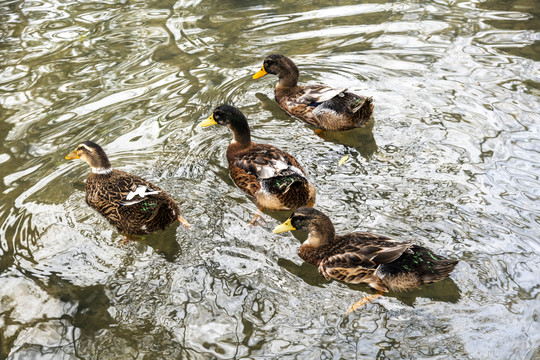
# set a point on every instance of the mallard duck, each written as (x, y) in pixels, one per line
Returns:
(321, 106)
(360, 257)
(132, 204)
(273, 177)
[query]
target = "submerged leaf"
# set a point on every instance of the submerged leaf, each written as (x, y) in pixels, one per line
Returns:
(343, 159)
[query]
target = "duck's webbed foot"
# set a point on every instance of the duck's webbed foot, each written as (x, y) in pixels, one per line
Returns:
(364, 301)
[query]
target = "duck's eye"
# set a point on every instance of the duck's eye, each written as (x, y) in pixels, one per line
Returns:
(84, 148)
(297, 221)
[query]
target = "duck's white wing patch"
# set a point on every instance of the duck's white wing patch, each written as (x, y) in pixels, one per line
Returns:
(297, 170)
(141, 191)
(127, 203)
(265, 172)
(271, 169)
(320, 94)
(274, 168)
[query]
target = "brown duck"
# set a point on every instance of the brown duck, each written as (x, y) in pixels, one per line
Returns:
(132, 204)
(273, 177)
(360, 257)
(321, 106)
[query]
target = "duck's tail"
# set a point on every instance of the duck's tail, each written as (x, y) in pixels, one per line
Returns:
(417, 266)
(360, 102)
(440, 270)
(351, 109)
(291, 189)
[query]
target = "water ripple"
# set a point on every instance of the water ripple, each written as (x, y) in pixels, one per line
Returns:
(449, 161)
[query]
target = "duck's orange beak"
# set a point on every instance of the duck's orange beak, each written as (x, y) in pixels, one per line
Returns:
(260, 73)
(209, 122)
(72, 155)
(286, 226)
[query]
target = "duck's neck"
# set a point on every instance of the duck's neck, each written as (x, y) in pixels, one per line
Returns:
(314, 249)
(287, 80)
(285, 86)
(240, 143)
(101, 170)
(241, 135)
(100, 163)
(321, 236)
(288, 75)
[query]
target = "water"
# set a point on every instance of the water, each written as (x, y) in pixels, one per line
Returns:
(450, 161)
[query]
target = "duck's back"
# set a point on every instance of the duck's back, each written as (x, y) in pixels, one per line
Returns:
(272, 176)
(132, 204)
(325, 107)
(415, 267)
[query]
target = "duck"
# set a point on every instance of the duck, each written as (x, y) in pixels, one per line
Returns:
(130, 203)
(361, 257)
(326, 108)
(272, 177)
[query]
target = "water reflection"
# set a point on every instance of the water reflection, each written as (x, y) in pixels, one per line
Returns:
(164, 242)
(305, 271)
(451, 158)
(91, 313)
(68, 314)
(361, 139)
(271, 105)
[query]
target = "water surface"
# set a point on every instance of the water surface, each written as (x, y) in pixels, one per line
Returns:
(451, 161)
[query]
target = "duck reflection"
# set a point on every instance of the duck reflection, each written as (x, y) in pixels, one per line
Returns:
(361, 139)
(91, 312)
(164, 243)
(272, 106)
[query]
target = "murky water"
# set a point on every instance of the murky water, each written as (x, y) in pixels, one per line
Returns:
(451, 160)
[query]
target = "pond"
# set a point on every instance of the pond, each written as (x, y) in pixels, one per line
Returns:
(450, 160)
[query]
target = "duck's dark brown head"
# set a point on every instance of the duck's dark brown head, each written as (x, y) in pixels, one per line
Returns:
(232, 118)
(94, 155)
(319, 226)
(283, 67)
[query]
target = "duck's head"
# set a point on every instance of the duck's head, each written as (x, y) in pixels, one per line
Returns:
(94, 155)
(279, 65)
(318, 225)
(232, 118)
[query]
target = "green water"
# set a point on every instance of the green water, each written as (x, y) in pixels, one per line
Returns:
(451, 161)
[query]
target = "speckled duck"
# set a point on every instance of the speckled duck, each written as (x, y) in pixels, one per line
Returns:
(132, 204)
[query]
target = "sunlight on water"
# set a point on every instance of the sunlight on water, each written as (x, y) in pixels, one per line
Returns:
(449, 160)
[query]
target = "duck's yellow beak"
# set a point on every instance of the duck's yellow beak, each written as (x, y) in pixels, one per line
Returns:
(72, 155)
(209, 122)
(286, 226)
(260, 73)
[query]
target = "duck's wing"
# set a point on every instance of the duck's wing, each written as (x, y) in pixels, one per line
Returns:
(314, 95)
(266, 161)
(358, 254)
(124, 194)
(129, 190)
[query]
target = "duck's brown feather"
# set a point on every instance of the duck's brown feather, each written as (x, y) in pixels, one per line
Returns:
(273, 177)
(107, 194)
(344, 111)
(379, 261)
